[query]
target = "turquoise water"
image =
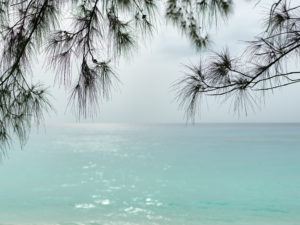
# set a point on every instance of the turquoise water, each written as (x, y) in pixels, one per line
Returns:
(161, 174)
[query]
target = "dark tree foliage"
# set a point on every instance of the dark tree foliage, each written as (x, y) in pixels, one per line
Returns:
(193, 17)
(265, 65)
(90, 33)
(94, 34)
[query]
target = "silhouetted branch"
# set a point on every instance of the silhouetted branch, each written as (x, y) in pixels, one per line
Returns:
(260, 68)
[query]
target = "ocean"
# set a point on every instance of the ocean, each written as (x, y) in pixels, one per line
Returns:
(134, 174)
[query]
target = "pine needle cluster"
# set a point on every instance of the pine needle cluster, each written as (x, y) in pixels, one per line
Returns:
(90, 34)
(265, 65)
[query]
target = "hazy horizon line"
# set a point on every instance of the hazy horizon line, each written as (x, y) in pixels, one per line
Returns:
(167, 123)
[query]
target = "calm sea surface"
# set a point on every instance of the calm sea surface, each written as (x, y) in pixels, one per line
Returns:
(161, 174)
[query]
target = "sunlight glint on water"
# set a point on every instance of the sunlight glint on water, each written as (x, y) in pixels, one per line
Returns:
(162, 174)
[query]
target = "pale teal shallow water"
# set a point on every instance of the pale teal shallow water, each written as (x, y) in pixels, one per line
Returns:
(163, 174)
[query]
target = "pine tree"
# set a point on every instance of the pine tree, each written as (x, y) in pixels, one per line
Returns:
(97, 34)
(265, 65)
(94, 34)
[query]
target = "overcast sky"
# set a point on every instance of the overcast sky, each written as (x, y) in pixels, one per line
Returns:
(145, 94)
